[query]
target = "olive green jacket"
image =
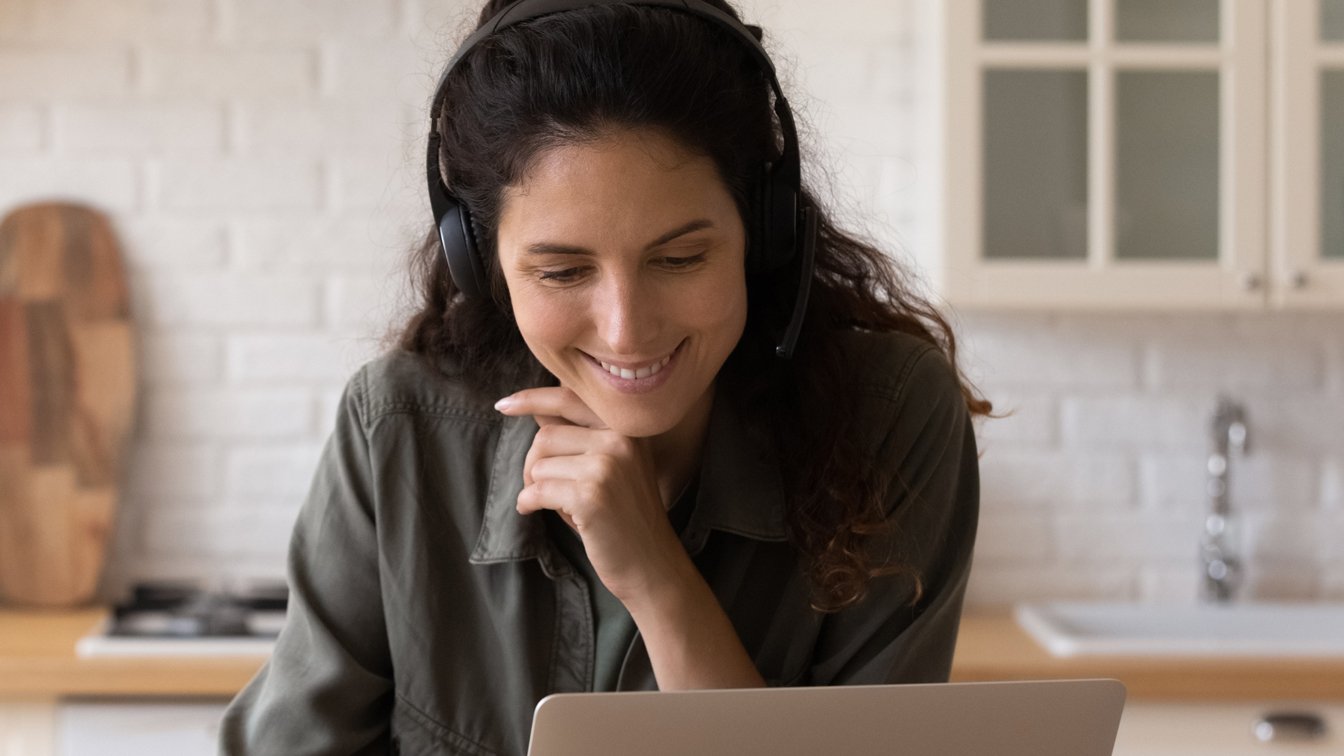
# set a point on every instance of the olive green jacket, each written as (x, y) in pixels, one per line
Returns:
(427, 616)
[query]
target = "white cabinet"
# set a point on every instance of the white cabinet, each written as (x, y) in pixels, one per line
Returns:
(110, 727)
(138, 728)
(1221, 729)
(27, 728)
(1133, 154)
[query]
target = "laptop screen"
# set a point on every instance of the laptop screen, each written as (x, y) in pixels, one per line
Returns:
(1036, 718)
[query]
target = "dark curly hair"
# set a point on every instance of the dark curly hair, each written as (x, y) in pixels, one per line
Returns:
(575, 76)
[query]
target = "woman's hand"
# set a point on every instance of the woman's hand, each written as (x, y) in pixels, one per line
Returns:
(605, 487)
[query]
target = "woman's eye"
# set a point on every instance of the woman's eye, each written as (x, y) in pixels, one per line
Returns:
(565, 275)
(682, 262)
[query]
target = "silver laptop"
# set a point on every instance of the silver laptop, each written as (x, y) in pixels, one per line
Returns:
(1038, 718)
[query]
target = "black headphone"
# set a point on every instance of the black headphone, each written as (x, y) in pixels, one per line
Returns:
(783, 223)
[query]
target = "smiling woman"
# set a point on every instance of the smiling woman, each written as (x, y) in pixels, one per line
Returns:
(659, 422)
(608, 304)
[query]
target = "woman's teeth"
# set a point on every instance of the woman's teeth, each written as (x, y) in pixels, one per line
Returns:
(629, 374)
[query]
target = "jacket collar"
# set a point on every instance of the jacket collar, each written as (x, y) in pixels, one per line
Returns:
(741, 491)
(505, 535)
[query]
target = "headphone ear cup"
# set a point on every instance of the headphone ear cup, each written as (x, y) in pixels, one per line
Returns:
(458, 235)
(758, 253)
(778, 223)
(784, 223)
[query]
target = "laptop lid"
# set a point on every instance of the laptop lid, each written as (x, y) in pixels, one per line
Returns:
(1036, 718)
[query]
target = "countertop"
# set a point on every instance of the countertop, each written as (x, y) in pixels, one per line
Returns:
(37, 661)
(991, 646)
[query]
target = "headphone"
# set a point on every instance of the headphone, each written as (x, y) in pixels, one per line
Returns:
(783, 222)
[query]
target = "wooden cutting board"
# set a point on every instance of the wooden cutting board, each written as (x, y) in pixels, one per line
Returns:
(67, 400)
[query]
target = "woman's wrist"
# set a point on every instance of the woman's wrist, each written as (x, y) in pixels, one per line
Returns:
(675, 592)
(690, 640)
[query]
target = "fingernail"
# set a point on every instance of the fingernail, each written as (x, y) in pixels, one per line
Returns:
(505, 403)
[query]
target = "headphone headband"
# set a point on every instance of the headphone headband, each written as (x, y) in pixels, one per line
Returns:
(523, 11)
(526, 10)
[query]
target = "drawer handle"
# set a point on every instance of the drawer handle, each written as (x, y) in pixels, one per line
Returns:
(1289, 726)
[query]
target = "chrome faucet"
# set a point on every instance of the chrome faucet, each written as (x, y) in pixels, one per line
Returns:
(1218, 546)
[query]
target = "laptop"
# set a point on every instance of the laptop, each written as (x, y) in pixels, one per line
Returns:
(1036, 718)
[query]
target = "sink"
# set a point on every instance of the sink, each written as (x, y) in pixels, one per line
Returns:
(1238, 629)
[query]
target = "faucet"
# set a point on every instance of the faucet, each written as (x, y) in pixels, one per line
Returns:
(1218, 545)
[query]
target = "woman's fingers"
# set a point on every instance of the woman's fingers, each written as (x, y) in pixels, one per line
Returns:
(572, 440)
(553, 494)
(560, 494)
(562, 440)
(590, 467)
(550, 440)
(550, 404)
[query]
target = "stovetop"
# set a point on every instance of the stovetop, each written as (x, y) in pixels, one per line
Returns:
(194, 618)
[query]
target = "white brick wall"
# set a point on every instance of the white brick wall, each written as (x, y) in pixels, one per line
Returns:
(21, 128)
(262, 164)
(1114, 451)
(186, 131)
(33, 72)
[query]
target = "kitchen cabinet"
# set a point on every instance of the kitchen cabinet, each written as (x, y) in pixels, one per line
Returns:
(110, 727)
(1181, 728)
(1133, 154)
(136, 728)
(27, 727)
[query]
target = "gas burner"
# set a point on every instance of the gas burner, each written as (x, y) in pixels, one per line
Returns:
(187, 610)
(162, 617)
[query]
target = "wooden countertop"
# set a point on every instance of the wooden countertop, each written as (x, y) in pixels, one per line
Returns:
(37, 661)
(991, 646)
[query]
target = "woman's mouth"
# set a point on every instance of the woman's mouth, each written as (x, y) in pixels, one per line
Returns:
(641, 372)
(637, 378)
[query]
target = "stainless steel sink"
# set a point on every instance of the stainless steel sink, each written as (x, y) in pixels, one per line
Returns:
(1237, 629)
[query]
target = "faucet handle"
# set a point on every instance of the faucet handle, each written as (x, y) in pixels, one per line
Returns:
(1229, 424)
(1236, 434)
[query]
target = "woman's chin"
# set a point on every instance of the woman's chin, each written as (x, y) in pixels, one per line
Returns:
(637, 424)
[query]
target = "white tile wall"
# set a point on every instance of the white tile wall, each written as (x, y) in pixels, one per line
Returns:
(261, 162)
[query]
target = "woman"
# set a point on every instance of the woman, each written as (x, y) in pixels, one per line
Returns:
(585, 467)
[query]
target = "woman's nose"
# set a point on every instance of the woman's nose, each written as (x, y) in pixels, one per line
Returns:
(626, 315)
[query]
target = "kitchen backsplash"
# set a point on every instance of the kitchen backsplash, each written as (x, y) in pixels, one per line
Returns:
(262, 165)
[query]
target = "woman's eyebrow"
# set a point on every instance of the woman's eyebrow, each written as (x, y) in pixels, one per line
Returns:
(548, 248)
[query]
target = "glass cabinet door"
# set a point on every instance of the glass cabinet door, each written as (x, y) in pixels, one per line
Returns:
(1167, 21)
(1119, 152)
(1332, 165)
(1166, 168)
(1332, 20)
(1167, 126)
(1035, 20)
(1332, 132)
(1308, 153)
(1035, 156)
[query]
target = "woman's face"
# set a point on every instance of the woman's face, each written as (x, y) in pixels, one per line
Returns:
(624, 261)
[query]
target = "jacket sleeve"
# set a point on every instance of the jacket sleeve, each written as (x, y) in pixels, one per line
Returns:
(933, 502)
(327, 687)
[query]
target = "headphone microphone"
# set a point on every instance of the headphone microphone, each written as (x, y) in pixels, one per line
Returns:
(785, 226)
